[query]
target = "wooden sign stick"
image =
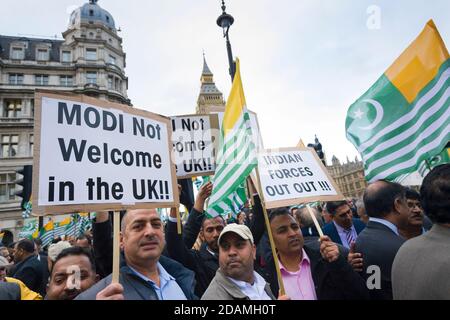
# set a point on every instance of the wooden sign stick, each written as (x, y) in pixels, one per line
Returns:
(269, 232)
(316, 223)
(177, 209)
(116, 248)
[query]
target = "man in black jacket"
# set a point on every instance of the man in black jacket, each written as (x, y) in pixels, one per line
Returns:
(28, 268)
(204, 262)
(313, 271)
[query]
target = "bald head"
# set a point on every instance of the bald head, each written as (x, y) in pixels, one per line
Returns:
(379, 198)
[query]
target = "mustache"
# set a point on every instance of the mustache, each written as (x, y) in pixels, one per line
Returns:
(70, 294)
(233, 260)
(150, 240)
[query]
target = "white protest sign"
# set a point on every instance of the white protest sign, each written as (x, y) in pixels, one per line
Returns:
(194, 139)
(294, 175)
(92, 155)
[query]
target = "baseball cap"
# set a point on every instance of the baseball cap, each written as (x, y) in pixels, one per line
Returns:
(241, 230)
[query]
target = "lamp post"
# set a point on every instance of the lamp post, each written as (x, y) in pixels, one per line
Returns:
(225, 21)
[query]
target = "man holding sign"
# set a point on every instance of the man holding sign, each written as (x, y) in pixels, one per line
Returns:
(144, 274)
(310, 272)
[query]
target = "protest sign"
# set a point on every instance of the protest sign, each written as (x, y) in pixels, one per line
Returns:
(256, 132)
(93, 155)
(294, 175)
(194, 139)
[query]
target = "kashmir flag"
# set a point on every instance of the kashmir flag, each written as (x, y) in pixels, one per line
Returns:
(71, 228)
(236, 156)
(442, 158)
(28, 230)
(60, 228)
(47, 234)
(404, 118)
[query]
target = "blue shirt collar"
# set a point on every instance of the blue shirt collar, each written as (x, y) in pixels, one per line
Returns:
(163, 274)
(388, 224)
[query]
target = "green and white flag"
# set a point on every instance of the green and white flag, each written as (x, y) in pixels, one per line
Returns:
(28, 229)
(404, 118)
(236, 154)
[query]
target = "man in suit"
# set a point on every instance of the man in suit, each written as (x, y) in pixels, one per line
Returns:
(379, 242)
(28, 268)
(343, 229)
(420, 270)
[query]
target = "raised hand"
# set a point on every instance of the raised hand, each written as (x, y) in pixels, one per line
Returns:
(355, 259)
(203, 194)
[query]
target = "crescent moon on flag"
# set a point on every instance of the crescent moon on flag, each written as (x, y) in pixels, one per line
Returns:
(379, 109)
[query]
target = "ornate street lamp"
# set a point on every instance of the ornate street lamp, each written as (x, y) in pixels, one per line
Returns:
(225, 21)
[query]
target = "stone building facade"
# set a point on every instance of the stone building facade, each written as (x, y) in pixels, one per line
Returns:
(349, 177)
(90, 60)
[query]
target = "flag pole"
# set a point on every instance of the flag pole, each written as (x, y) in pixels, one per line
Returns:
(316, 223)
(269, 232)
(177, 209)
(116, 247)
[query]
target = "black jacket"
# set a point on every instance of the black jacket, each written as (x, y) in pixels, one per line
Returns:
(332, 281)
(31, 272)
(379, 245)
(103, 247)
(202, 262)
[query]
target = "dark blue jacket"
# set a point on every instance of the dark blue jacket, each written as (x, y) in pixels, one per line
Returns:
(31, 272)
(136, 288)
(331, 231)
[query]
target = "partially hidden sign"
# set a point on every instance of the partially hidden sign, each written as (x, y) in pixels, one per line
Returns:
(94, 155)
(194, 140)
(294, 175)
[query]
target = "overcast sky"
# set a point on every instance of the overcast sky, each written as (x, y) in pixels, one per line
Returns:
(303, 63)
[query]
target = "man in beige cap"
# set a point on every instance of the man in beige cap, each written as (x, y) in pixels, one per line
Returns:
(236, 279)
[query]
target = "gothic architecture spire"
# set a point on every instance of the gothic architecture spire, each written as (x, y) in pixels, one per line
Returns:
(209, 94)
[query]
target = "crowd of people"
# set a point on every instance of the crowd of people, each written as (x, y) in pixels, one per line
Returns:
(394, 243)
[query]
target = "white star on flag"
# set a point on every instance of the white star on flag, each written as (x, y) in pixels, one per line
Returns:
(358, 114)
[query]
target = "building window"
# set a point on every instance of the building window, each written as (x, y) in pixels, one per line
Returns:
(91, 54)
(7, 186)
(12, 108)
(110, 82)
(91, 77)
(10, 145)
(358, 185)
(41, 80)
(91, 13)
(31, 144)
(17, 54)
(66, 56)
(42, 55)
(107, 19)
(116, 84)
(15, 79)
(32, 107)
(112, 60)
(66, 81)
